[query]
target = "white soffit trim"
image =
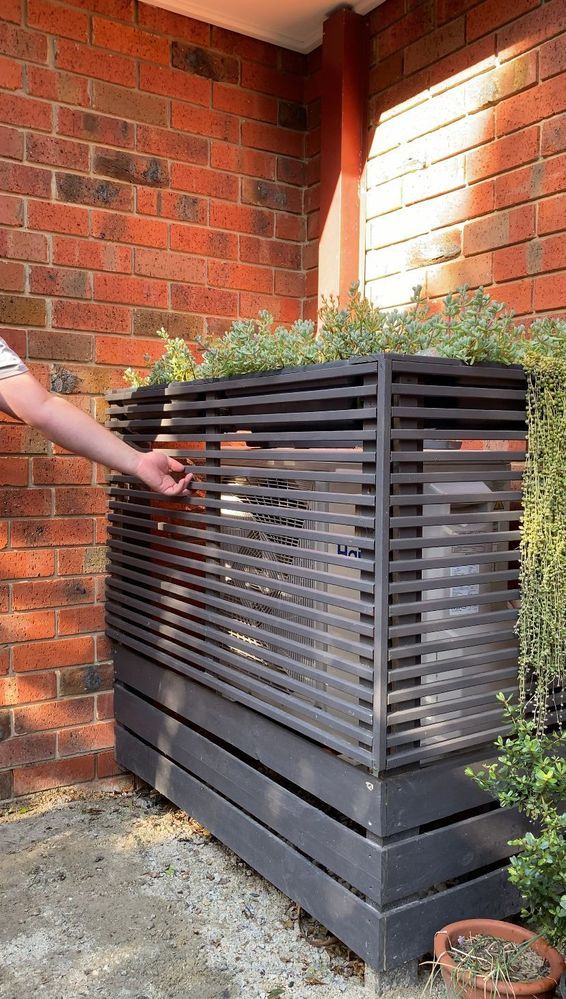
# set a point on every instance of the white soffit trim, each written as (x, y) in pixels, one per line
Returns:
(294, 24)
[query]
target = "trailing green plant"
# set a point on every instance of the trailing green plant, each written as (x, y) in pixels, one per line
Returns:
(530, 773)
(254, 345)
(542, 614)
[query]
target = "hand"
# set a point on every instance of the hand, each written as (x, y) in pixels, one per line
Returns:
(153, 468)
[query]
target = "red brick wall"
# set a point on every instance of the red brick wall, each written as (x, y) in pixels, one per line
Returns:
(153, 173)
(467, 172)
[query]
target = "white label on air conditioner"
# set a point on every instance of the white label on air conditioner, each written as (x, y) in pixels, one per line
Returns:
(464, 589)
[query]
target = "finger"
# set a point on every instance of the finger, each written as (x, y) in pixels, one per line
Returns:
(174, 465)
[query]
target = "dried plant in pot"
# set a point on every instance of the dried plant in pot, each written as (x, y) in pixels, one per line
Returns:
(486, 958)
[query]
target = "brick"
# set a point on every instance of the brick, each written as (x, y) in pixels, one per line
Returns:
(85, 679)
(527, 32)
(11, 211)
(89, 191)
(170, 266)
(57, 152)
(27, 749)
(210, 301)
(284, 310)
(553, 135)
(289, 283)
(95, 128)
(93, 317)
(58, 218)
(63, 88)
(246, 103)
(547, 99)
(272, 139)
(52, 593)
(28, 627)
(62, 469)
(25, 503)
(543, 178)
(91, 254)
(59, 773)
(291, 114)
(94, 381)
(105, 704)
(22, 311)
(209, 183)
(491, 88)
(551, 254)
(224, 156)
(434, 46)
(117, 350)
(10, 74)
(30, 46)
(289, 227)
(25, 112)
(439, 178)
(462, 64)
(132, 41)
(59, 653)
(243, 277)
(291, 171)
(12, 11)
(19, 565)
(504, 154)
(204, 242)
(266, 80)
(57, 20)
(124, 229)
(22, 440)
(60, 346)
(475, 272)
(122, 10)
(494, 13)
(20, 179)
(73, 621)
(515, 261)
(91, 62)
(60, 282)
(185, 207)
(552, 57)
(13, 472)
(270, 252)
(202, 62)
(550, 292)
(202, 121)
(131, 104)
(85, 739)
(165, 22)
(148, 321)
(130, 168)
(267, 195)
(74, 501)
(173, 145)
(551, 214)
(107, 765)
(399, 35)
(27, 689)
(512, 226)
(6, 782)
(44, 533)
(12, 276)
(130, 290)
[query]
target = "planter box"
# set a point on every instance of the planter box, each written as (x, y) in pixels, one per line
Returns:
(307, 652)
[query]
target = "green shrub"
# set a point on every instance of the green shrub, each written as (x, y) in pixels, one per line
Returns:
(530, 773)
(471, 327)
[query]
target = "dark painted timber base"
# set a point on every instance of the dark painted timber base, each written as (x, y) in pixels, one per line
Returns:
(382, 862)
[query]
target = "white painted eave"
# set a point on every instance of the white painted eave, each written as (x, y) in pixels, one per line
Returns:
(293, 24)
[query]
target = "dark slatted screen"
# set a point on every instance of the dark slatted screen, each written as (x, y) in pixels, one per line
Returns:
(457, 452)
(347, 521)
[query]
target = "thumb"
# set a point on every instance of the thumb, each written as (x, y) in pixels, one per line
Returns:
(174, 465)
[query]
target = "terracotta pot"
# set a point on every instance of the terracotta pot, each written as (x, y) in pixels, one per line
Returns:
(475, 987)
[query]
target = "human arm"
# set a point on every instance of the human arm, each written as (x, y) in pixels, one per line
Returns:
(23, 397)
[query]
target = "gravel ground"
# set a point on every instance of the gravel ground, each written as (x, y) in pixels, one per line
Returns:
(123, 896)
